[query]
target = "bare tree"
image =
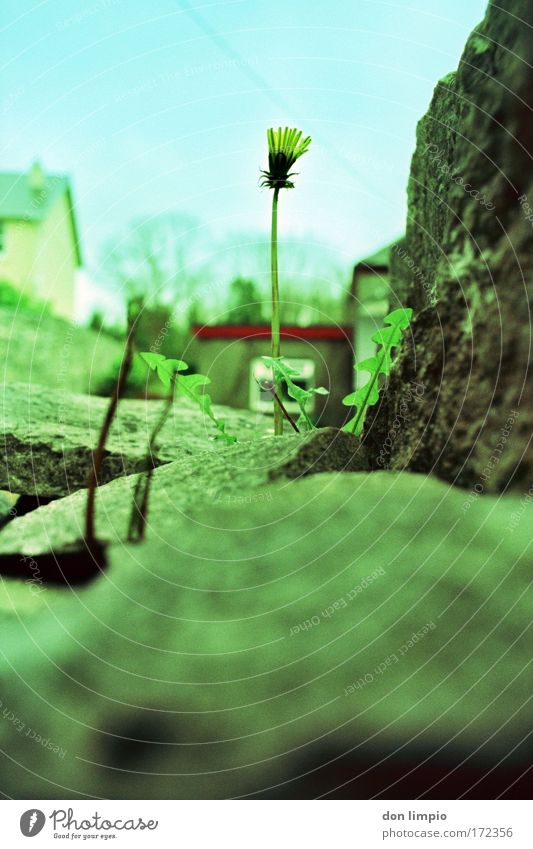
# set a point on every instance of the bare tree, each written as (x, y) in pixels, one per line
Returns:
(171, 259)
(313, 282)
(162, 258)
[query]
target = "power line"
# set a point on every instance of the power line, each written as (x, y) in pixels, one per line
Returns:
(226, 47)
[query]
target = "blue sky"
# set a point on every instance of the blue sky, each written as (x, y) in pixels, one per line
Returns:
(163, 106)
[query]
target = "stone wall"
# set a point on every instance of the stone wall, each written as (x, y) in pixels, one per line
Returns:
(466, 269)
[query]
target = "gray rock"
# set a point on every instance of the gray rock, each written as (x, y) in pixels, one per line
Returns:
(49, 436)
(6, 508)
(40, 348)
(325, 450)
(466, 268)
(241, 474)
(280, 647)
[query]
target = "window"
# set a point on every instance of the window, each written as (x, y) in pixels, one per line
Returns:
(260, 376)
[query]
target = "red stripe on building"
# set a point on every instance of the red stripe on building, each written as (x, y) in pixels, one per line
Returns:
(328, 333)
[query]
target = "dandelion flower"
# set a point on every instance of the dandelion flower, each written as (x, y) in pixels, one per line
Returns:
(284, 148)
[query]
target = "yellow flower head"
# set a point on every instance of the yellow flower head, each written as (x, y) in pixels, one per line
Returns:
(284, 148)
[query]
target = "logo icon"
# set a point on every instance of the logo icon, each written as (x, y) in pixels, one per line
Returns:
(32, 822)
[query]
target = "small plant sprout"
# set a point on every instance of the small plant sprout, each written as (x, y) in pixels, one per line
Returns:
(93, 478)
(366, 396)
(282, 372)
(268, 386)
(139, 508)
(188, 385)
(284, 148)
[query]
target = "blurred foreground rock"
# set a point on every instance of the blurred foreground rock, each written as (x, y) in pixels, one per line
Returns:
(345, 634)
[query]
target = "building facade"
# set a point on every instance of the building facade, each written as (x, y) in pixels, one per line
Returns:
(369, 300)
(230, 355)
(39, 243)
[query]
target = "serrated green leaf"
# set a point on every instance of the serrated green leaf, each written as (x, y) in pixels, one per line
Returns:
(221, 425)
(400, 318)
(193, 382)
(281, 366)
(387, 338)
(176, 365)
(368, 394)
(283, 372)
(369, 365)
(152, 359)
(186, 385)
(163, 367)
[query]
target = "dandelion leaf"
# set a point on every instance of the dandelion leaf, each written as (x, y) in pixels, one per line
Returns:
(366, 396)
(163, 367)
(284, 372)
(188, 385)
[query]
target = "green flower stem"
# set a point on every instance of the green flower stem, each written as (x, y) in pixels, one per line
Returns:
(369, 386)
(275, 326)
(139, 507)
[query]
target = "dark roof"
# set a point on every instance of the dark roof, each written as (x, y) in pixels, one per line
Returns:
(248, 331)
(379, 259)
(370, 280)
(19, 202)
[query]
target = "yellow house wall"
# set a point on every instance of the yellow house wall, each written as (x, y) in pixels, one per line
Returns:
(55, 263)
(227, 364)
(40, 258)
(18, 257)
